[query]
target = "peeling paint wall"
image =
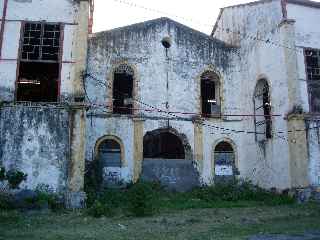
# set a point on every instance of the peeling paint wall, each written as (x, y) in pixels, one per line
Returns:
(190, 55)
(307, 36)
(38, 138)
(314, 153)
(284, 68)
(64, 11)
(35, 140)
(265, 163)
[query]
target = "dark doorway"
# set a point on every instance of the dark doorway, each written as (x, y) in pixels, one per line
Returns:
(110, 153)
(168, 160)
(123, 90)
(164, 145)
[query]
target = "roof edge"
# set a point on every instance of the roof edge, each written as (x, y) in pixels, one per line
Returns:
(306, 3)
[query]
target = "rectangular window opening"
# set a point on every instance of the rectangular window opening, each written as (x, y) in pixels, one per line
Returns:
(210, 104)
(39, 67)
(312, 59)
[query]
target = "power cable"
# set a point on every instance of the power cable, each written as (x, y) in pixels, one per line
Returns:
(222, 129)
(227, 30)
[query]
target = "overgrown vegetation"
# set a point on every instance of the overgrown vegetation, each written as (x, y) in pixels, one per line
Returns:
(42, 198)
(13, 176)
(145, 199)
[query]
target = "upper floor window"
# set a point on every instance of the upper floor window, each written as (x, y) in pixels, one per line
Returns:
(210, 94)
(262, 111)
(312, 60)
(39, 63)
(41, 41)
(123, 90)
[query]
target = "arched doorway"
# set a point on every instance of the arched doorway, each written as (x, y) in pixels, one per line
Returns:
(168, 160)
(224, 162)
(109, 158)
(109, 153)
(164, 145)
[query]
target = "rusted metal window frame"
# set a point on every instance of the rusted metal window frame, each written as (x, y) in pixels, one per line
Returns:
(307, 76)
(59, 61)
(268, 130)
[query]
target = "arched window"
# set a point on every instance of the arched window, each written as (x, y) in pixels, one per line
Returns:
(262, 111)
(224, 159)
(123, 90)
(210, 94)
(164, 145)
(109, 153)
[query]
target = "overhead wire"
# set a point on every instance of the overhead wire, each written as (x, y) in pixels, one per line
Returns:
(267, 41)
(211, 126)
(227, 30)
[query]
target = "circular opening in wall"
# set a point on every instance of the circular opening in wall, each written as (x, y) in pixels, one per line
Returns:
(166, 42)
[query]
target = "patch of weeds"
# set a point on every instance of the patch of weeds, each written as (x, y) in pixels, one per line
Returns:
(99, 209)
(15, 178)
(5, 203)
(142, 199)
(236, 191)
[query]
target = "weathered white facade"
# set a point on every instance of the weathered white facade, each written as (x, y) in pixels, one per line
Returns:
(262, 40)
(43, 136)
(162, 101)
(274, 37)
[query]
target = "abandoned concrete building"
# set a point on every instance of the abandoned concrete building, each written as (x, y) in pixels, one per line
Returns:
(158, 100)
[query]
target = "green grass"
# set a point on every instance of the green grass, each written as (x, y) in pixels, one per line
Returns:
(144, 199)
(192, 224)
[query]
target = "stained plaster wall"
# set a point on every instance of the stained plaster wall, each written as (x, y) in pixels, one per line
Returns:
(264, 163)
(307, 36)
(191, 53)
(36, 141)
(36, 10)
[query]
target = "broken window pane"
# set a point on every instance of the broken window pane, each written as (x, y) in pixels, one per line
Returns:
(210, 99)
(38, 82)
(41, 41)
(39, 65)
(313, 74)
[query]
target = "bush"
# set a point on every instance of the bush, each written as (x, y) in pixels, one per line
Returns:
(5, 203)
(15, 178)
(47, 196)
(142, 199)
(241, 191)
(99, 209)
(92, 181)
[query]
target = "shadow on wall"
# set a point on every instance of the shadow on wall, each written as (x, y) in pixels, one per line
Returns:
(168, 160)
